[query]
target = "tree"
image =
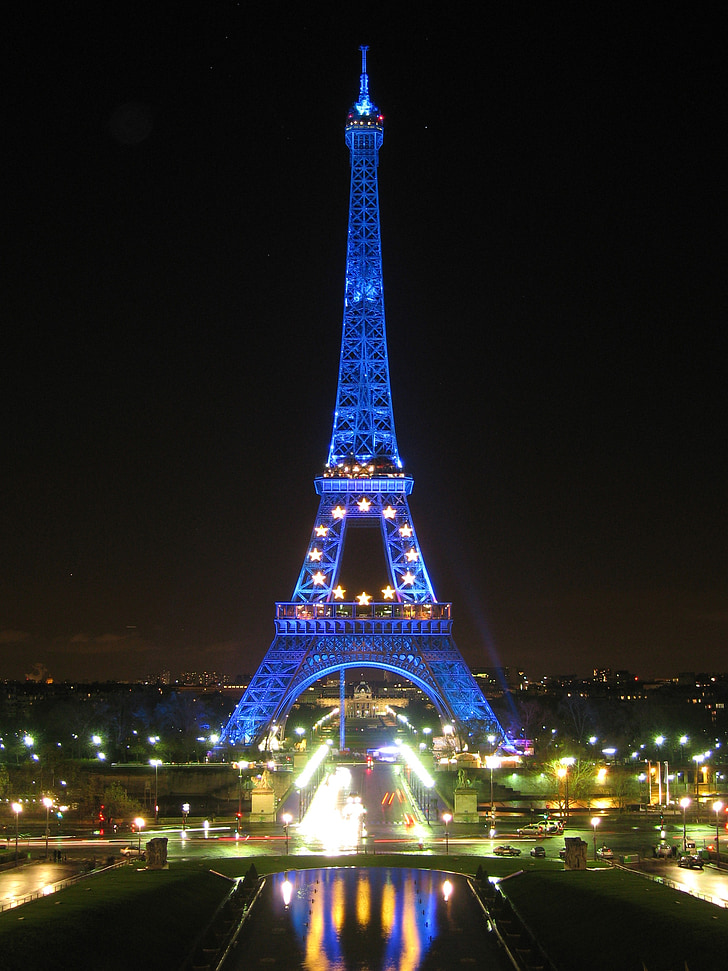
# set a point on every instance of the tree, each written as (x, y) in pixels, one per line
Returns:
(119, 805)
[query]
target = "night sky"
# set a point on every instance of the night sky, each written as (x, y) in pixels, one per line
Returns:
(552, 191)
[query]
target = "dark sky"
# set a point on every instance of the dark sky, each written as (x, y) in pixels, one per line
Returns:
(553, 214)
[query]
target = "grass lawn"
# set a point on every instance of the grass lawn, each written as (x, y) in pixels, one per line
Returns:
(120, 919)
(598, 919)
(608, 919)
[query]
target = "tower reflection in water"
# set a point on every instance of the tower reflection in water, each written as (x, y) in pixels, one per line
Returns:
(385, 918)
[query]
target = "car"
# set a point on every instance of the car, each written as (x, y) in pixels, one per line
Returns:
(690, 862)
(553, 826)
(538, 851)
(605, 853)
(506, 851)
(664, 850)
(562, 853)
(532, 829)
(133, 851)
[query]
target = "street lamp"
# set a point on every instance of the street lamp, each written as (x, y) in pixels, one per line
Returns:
(717, 806)
(47, 802)
(17, 809)
(286, 822)
(185, 814)
(139, 823)
(684, 802)
(595, 823)
(447, 817)
(156, 763)
(563, 773)
(683, 741)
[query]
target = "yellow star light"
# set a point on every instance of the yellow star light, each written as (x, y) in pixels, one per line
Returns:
(338, 513)
(315, 555)
(338, 592)
(405, 531)
(388, 593)
(408, 577)
(364, 505)
(321, 530)
(319, 578)
(412, 555)
(363, 599)
(389, 513)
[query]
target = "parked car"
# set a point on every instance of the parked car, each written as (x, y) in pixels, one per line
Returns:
(506, 851)
(133, 852)
(664, 850)
(605, 853)
(690, 862)
(538, 851)
(531, 829)
(562, 853)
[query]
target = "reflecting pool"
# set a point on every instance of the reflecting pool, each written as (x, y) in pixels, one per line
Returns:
(334, 919)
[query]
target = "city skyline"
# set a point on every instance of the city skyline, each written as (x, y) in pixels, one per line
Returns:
(551, 251)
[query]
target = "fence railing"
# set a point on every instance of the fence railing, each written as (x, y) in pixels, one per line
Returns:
(51, 888)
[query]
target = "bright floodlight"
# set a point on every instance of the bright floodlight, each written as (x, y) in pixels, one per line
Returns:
(417, 767)
(313, 763)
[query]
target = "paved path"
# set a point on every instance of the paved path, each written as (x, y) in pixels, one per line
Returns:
(32, 878)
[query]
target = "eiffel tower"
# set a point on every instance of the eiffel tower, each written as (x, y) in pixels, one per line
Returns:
(405, 629)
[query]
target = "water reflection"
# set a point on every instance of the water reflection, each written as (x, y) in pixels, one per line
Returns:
(341, 918)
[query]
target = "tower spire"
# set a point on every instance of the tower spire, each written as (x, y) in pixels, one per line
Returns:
(363, 82)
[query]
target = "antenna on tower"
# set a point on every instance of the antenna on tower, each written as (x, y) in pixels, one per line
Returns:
(364, 79)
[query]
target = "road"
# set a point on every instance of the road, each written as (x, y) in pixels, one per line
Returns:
(390, 822)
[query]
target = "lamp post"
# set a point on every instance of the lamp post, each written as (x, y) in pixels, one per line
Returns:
(17, 809)
(139, 823)
(717, 806)
(47, 802)
(185, 814)
(595, 823)
(658, 742)
(684, 802)
(447, 817)
(156, 763)
(286, 822)
(683, 741)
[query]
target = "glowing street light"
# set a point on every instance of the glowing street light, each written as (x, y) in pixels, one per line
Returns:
(156, 763)
(47, 802)
(684, 802)
(139, 823)
(446, 890)
(286, 822)
(17, 809)
(563, 773)
(595, 823)
(717, 806)
(446, 818)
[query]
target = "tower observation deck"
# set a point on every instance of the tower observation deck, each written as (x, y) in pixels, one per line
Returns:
(401, 627)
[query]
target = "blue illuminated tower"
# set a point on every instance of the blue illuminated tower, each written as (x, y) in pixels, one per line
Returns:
(401, 627)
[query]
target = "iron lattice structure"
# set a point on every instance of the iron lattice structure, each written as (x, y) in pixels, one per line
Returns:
(320, 631)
